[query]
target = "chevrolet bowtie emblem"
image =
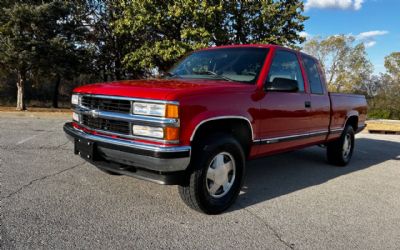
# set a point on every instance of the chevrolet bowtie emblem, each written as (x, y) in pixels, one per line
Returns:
(94, 113)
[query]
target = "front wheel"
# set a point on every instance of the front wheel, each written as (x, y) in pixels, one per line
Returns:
(340, 151)
(217, 174)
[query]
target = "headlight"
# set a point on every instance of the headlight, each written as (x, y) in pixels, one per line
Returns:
(141, 108)
(167, 133)
(148, 131)
(154, 109)
(75, 99)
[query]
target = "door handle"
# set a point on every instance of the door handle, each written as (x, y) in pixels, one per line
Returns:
(307, 104)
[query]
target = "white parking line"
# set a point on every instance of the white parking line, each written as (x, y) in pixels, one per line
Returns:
(26, 139)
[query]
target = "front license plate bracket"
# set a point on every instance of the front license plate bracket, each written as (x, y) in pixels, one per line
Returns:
(85, 148)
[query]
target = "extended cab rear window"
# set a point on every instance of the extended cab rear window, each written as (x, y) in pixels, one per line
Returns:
(314, 78)
(231, 64)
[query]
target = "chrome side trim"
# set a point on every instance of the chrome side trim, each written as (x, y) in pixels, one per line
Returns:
(129, 98)
(137, 119)
(299, 136)
(222, 118)
(336, 130)
(133, 144)
(290, 137)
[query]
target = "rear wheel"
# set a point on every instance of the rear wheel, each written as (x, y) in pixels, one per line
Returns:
(217, 174)
(339, 152)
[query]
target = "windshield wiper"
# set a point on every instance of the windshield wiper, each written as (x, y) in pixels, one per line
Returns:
(212, 73)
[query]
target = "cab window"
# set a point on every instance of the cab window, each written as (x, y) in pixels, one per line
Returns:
(286, 65)
(314, 78)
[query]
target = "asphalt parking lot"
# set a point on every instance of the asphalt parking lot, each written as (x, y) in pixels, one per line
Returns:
(51, 198)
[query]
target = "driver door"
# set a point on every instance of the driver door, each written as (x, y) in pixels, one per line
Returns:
(284, 115)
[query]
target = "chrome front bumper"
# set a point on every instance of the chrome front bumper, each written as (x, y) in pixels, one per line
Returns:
(138, 155)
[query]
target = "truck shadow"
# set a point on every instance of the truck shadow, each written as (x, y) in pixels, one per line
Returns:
(278, 175)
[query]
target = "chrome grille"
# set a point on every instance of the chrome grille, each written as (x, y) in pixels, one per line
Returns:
(106, 104)
(107, 125)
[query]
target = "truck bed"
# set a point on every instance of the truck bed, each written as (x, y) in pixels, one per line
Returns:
(344, 106)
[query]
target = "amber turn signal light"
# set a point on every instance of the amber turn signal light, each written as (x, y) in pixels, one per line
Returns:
(172, 111)
(171, 133)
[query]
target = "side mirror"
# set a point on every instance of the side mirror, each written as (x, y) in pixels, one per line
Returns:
(282, 85)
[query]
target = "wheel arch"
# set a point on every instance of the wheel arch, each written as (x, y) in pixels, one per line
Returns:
(239, 126)
(352, 120)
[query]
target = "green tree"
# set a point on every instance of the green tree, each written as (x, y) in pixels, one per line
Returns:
(392, 65)
(39, 36)
(18, 52)
(270, 21)
(346, 65)
(163, 31)
(60, 24)
(107, 46)
(391, 85)
(69, 50)
(383, 91)
(47, 42)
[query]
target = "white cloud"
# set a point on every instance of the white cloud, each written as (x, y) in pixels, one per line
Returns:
(369, 44)
(357, 4)
(369, 37)
(334, 4)
(371, 34)
(304, 34)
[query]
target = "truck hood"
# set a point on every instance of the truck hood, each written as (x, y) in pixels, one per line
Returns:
(161, 89)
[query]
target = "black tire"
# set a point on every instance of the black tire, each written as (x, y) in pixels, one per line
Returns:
(196, 193)
(336, 152)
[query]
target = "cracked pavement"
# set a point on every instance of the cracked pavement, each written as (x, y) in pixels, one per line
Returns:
(51, 198)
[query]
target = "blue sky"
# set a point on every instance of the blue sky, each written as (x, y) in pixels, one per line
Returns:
(376, 23)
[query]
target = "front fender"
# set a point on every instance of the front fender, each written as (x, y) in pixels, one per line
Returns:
(192, 125)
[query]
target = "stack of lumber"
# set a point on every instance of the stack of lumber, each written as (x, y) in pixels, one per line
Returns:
(383, 126)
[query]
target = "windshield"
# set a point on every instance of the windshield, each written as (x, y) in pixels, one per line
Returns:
(230, 64)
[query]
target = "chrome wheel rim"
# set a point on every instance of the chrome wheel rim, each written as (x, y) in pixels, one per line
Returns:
(346, 146)
(220, 175)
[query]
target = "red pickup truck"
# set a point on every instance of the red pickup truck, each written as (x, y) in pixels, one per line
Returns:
(215, 109)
